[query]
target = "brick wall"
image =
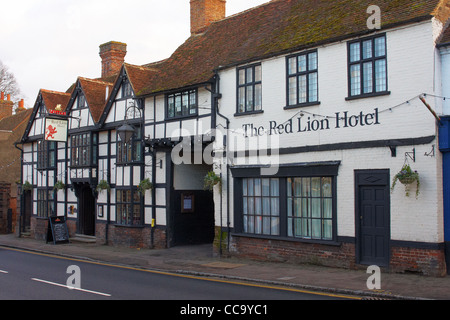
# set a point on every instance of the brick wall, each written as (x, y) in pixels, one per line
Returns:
(430, 262)
(342, 255)
(130, 237)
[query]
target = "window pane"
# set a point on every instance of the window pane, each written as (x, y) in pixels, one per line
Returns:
(242, 76)
(315, 208)
(326, 187)
(380, 47)
(275, 226)
(327, 208)
(316, 228)
(306, 184)
(249, 76)
(380, 75)
(244, 187)
(302, 89)
(315, 187)
(292, 91)
(302, 63)
(292, 65)
(368, 76)
(185, 103)
(178, 106)
(258, 97)
(327, 230)
(355, 52)
(258, 187)
(274, 187)
(258, 73)
(312, 63)
(313, 85)
(266, 187)
(241, 99)
(355, 80)
(367, 49)
(249, 101)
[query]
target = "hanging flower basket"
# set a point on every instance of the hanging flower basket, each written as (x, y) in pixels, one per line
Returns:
(144, 185)
(103, 185)
(407, 176)
(27, 186)
(59, 185)
(210, 180)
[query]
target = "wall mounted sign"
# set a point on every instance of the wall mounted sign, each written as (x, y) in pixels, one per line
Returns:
(187, 202)
(311, 124)
(56, 129)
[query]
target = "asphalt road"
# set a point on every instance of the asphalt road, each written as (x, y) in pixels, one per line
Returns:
(32, 276)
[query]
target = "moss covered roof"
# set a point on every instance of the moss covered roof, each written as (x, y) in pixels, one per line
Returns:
(277, 27)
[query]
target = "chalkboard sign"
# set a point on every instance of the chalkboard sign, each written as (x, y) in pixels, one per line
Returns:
(57, 231)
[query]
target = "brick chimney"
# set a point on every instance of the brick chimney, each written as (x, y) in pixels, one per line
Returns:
(113, 56)
(204, 12)
(6, 106)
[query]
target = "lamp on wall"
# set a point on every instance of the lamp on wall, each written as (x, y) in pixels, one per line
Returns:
(126, 131)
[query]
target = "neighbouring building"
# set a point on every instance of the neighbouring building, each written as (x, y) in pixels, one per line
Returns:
(302, 110)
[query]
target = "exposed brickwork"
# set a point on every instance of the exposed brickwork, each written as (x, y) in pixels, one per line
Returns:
(39, 228)
(130, 237)
(204, 12)
(113, 56)
(6, 106)
(424, 261)
(295, 252)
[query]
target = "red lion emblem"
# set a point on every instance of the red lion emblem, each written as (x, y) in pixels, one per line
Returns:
(50, 133)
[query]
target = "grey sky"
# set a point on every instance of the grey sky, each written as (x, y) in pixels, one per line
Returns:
(49, 43)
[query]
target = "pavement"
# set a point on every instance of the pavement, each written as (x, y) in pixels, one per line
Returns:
(200, 261)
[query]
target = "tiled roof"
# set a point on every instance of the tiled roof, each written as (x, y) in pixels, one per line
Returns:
(95, 93)
(53, 98)
(445, 37)
(277, 27)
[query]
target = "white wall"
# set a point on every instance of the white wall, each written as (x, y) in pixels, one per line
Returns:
(411, 66)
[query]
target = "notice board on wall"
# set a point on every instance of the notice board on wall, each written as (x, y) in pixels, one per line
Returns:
(57, 231)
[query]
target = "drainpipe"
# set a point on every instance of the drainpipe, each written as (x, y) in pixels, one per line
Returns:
(22, 204)
(444, 147)
(217, 96)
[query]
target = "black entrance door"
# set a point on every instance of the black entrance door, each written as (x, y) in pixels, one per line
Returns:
(372, 217)
(27, 210)
(86, 209)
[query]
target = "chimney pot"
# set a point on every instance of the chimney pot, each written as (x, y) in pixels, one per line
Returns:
(3, 96)
(204, 12)
(8, 96)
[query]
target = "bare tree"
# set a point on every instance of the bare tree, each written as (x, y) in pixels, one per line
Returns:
(8, 82)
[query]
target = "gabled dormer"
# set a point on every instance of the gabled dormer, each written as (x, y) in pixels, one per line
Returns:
(45, 102)
(87, 103)
(122, 103)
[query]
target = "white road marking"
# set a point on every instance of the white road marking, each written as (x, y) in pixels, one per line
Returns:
(71, 288)
(1, 271)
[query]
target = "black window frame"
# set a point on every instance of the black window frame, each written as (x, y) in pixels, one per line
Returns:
(46, 202)
(133, 147)
(253, 83)
(327, 170)
(190, 109)
(46, 155)
(297, 74)
(89, 144)
(127, 89)
(134, 199)
(361, 62)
